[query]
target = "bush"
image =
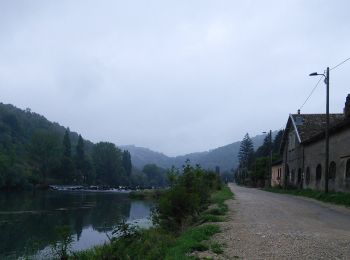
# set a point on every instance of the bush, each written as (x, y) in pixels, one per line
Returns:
(188, 196)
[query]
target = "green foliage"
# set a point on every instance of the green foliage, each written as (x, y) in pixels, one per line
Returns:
(258, 171)
(84, 168)
(108, 164)
(246, 152)
(160, 242)
(191, 240)
(35, 151)
(61, 247)
(67, 165)
(339, 198)
(44, 150)
(187, 197)
(218, 198)
(155, 175)
(126, 162)
(142, 244)
(216, 248)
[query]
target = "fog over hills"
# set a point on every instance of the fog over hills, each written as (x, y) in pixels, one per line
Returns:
(225, 156)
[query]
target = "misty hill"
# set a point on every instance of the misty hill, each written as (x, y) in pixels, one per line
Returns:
(18, 126)
(225, 156)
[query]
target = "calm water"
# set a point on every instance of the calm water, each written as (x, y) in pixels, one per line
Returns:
(28, 223)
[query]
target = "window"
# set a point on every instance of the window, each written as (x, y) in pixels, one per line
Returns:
(332, 171)
(293, 176)
(318, 173)
(299, 175)
(347, 174)
(308, 176)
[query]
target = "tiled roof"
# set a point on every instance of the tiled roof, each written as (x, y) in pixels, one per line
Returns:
(310, 125)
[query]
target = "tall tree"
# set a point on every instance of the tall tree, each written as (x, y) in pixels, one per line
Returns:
(80, 160)
(126, 162)
(67, 165)
(277, 141)
(246, 152)
(264, 149)
(44, 150)
(108, 163)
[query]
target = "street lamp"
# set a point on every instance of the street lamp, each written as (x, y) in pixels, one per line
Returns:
(270, 168)
(327, 125)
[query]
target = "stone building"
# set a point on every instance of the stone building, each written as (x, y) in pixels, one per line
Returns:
(303, 149)
(277, 173)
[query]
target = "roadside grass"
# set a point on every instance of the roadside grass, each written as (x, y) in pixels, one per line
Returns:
(217, 213)
(192, 240)
(339, 198)
(217, 248)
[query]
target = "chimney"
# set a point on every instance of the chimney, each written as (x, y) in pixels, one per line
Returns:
(347, 107)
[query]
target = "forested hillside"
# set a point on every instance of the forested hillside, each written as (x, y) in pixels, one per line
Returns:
(37, 152)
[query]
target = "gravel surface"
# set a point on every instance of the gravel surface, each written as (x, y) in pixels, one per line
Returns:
(265, 225)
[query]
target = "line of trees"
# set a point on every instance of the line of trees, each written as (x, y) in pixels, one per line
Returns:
(254, 166)
(37, 152)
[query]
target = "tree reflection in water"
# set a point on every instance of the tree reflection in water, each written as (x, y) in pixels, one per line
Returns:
(28, 223)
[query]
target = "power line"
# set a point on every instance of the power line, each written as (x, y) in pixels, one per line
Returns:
(340, 64)
(318, 82)
(312, 91)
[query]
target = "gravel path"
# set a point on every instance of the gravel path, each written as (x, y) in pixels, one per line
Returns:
(264, 225)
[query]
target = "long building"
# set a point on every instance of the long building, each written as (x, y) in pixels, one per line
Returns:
(303, 149)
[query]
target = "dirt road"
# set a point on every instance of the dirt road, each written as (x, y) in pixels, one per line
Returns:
(264, 225)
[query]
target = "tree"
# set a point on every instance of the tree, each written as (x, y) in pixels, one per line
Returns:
(80, 160)
(264, 149)
(126, 162)
(67, 165)
(107, 160)
(44, 150)
(154, 174)
(246, 152)
(277, 141)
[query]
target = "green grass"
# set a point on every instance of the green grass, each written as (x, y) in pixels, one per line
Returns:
(339, 198)
(216, 248)
(192, 240)
(220, 196)
(217, 213)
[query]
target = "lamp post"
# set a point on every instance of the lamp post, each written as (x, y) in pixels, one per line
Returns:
(270, 168)
(327, 125)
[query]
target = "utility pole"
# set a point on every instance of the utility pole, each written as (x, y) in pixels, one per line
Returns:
(327, 134)
(327, 127)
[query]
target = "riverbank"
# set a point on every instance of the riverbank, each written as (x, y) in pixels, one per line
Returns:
(157, 243)
(339, 198)
(147, 194)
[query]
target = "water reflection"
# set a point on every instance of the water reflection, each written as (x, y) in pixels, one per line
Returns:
(28, 223)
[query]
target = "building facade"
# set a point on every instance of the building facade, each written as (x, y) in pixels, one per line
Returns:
(303, 149)
(277, 174)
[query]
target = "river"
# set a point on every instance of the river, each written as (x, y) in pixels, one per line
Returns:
(29, 222)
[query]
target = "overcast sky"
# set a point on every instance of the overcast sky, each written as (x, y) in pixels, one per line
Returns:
(173, 76)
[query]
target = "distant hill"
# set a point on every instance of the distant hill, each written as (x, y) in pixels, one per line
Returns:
(225, 156)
